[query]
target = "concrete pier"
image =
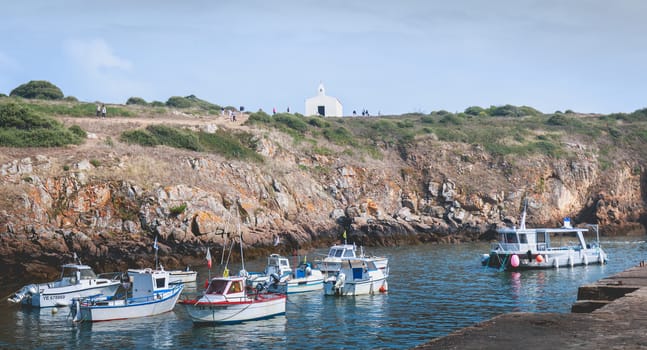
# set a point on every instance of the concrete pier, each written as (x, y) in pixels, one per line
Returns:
(609, 314)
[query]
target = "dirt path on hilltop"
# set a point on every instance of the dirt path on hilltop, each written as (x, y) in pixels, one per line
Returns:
(106, 131)
(100, 129)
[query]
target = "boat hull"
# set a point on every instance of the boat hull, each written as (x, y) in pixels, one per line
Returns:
(354, 288)
(296, 286)
(64, 296)
(180, 276)
(235, 310)
(109, 310)
(547, 260)
(304, 285)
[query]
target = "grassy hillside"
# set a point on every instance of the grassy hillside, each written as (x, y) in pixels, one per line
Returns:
(505, 131)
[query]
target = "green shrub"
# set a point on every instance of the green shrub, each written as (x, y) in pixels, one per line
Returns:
(427, 119)
(173, 137)
(259, 117)
(474, 110)
(76, 130)
(175, 211)
(70, 99)
(316, 122)
(292, 122)
(38, 89)
(404, 124)
(451, 119)
(13, 115)
(240, 145)
(95, 162)
(158, 104)
(20, 126)
(558, 119)
(231, 145)
(178, 102)
(139, 137)
(136, 101)
(339, 135)
(191, 101)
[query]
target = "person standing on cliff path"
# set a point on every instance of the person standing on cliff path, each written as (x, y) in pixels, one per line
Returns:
(98, 109)
(103, 111)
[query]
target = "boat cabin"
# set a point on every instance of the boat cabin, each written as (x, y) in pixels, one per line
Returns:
(146, 282)
(342, 251)
(279, 265)
(358, 267)
(74, 273)
(232, 286)
(544, 239)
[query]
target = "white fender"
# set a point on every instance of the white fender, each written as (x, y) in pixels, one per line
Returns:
(556, 262)
(586, 259)
(340, 280)
(76, 310)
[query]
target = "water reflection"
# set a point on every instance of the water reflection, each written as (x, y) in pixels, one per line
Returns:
(262, 334)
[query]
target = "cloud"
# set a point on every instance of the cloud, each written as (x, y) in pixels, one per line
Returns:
(100, 74)
(95, 55)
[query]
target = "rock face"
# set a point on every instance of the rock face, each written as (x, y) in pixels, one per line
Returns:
(109, 214)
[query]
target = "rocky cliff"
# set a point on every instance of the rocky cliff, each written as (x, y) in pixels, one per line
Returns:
(107, 201)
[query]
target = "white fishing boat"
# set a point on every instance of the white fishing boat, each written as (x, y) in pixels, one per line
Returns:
(278, 276)
(305, 278)
(277, 270)
(229, 300)
(331, 263)
(148, 293)
(358, 276)
(183, 276)
(178, 276)
(536, 248)
(76, 281)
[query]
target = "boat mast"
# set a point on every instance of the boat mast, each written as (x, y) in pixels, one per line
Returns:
(240, 235)
(522, 224)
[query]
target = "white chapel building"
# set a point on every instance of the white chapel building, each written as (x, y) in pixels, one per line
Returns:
(326, 106)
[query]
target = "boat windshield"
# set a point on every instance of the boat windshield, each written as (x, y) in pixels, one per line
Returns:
(511, 238)
(334, 252)
(568, 239)
(87, 274)
(217, 287)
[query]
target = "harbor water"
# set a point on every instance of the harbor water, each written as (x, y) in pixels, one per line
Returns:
(433, 291)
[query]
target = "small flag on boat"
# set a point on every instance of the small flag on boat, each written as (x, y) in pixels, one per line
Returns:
(208, 257)
(155, 246)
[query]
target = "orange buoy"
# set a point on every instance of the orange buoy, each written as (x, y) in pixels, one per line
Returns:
(539, 258)
(383, 289)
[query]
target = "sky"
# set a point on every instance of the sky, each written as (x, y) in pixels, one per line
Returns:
(388, 57)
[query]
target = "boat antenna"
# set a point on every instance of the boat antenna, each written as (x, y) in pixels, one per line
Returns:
(156, 247)
(522, 225)
(240, 235)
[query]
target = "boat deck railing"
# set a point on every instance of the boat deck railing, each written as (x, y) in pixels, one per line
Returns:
(539, 247)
